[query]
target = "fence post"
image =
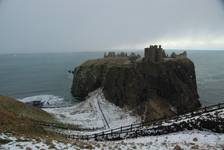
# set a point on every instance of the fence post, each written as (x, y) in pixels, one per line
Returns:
(111, 132)
(87, 136)
(103, 135)
(121, 129)
(95, 137)
(219, 105)
(131, 127)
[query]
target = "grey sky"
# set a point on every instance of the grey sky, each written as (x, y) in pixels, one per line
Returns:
(85, 25)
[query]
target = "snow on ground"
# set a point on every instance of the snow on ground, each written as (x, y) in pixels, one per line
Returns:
(47, 100)
(116, 117)
(186, 140)
(84, 114)
(187, 117)
(9, 142)
(94, 113)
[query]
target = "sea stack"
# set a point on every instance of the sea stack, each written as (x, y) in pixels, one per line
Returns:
(154, 86)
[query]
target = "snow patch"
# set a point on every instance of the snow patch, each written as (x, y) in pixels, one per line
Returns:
(26, 143)
(186, 140)
(94, 113)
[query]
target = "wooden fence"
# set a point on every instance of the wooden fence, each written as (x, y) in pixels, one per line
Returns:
(143, 128)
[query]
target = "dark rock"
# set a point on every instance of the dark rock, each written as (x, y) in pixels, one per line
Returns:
(177, 147)
(35, 103)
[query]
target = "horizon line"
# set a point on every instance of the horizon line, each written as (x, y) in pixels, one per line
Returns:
(115, 49)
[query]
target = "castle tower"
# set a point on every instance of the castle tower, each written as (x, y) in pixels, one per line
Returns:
(153, 54)
(159, 54)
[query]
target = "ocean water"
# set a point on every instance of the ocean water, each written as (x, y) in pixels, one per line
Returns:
(209, 66)
(40, 76)
(45, 76)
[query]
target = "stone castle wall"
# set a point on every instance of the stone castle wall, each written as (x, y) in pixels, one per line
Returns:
(154, 54)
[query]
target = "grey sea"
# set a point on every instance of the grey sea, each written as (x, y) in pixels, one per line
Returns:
(46, 75)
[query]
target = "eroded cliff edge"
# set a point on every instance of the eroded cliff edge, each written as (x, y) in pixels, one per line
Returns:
(152, 89)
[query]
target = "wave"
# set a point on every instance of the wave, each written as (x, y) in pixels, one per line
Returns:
(46, 100)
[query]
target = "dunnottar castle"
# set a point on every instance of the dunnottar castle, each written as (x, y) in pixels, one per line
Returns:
(152, 54)
(146, 84)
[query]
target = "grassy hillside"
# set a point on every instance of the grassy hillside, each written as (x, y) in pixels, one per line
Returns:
(23, 110)
(18, 118)
(107, 61)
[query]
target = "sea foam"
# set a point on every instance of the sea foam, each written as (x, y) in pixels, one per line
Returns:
(47, 100)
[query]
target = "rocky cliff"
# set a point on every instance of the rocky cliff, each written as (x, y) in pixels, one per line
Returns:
(152, 90)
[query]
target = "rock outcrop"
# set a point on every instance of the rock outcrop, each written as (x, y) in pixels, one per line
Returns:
(152, 90)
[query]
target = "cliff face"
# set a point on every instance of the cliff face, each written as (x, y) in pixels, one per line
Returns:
(152, 90)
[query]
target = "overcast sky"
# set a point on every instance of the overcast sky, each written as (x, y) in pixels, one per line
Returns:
(85, 25)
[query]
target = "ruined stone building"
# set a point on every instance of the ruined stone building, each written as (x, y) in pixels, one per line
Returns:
(181, 55)
(154, 54)
(113, 54)
(110, 54)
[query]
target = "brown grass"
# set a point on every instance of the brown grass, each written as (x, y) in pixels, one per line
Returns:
(158, 109)
(4, 141)
(180, 60)
(107, 61)
(18, 118)
(23, 110)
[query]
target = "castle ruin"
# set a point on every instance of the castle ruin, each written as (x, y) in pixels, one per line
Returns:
(154, 54)
(113, 54)
(181, 55)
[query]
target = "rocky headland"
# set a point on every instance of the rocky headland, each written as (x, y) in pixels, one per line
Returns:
(154, 86)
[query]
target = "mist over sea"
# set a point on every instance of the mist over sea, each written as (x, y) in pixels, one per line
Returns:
(46, 74)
